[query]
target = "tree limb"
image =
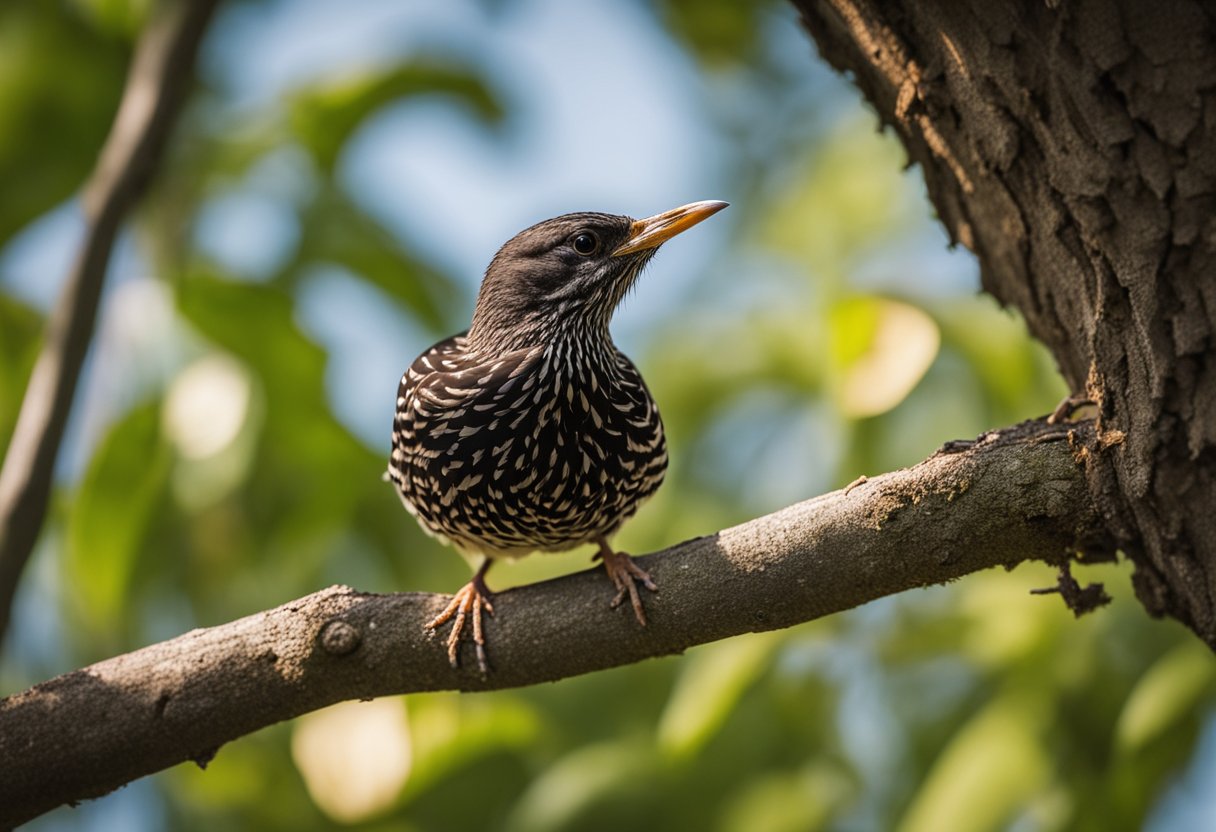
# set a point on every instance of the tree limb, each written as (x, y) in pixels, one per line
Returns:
(1008, 497)
(1072, 147)
(156, 87)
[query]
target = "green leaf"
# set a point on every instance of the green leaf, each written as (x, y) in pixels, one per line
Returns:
(114, 506)
(449, 732)
(257, 323)
(122, 17)
(713, 680)
(338, 231)
(302, 449)
(788, 802)
(719, 32)
(852, 322)
(574, 784)
(984, 776)
(20, 327)
(881, 348)
(60, 83)
(1017, 374)
(850, 195)
(324, 118)
(1169, 692)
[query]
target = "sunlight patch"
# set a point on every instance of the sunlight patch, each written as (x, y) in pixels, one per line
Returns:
(901, 345)
(354, 756)
(206, 406)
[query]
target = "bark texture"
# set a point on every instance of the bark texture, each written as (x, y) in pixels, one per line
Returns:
(1072, 147)
(1010, 496)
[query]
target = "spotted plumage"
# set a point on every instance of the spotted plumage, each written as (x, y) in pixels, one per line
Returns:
(543, 448)
(532, 431)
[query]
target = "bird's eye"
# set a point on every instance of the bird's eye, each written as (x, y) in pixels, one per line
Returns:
(585, 243)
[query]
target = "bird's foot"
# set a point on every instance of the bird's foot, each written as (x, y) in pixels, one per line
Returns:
(468, 602)
(625, 575)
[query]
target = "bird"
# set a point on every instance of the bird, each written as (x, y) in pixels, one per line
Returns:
(530, 431)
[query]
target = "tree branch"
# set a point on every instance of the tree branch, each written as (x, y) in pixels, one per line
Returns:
(1068, 146)
(1010, 496)
(156, 87)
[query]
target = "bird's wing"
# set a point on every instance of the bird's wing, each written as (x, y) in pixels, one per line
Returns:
(442, 357)
(450, 390)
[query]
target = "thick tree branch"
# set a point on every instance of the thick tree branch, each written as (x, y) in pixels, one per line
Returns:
(156, 87)
(1011, 496)
(1072, 147)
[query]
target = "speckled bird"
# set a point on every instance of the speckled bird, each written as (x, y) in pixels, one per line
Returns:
(532, 431)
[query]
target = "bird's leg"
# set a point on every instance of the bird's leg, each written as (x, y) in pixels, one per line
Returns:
(625, 575)
(469, 601)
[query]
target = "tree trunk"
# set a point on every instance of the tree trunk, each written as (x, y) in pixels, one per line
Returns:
(1072, 147)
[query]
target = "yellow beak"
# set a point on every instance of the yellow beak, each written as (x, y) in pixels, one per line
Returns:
(652, 232)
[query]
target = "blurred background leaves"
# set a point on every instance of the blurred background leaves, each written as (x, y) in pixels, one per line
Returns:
(343, 175)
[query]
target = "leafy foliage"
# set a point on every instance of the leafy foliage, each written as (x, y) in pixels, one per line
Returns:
(60, 79)
(229, 482)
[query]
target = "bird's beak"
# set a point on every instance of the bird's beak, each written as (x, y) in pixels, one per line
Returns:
(652, 232)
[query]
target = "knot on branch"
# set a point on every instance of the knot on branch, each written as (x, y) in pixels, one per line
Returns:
(339, 638)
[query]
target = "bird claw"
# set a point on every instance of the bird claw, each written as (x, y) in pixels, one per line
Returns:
(625, 575)
(469, 602)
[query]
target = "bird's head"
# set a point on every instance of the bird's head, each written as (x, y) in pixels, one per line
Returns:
(568, 274)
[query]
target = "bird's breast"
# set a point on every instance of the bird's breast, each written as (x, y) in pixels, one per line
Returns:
(546, 454)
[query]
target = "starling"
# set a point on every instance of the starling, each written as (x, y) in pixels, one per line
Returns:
(532, 431)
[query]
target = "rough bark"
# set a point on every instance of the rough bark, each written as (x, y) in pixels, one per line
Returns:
(1072, 147)
(1008, 497)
